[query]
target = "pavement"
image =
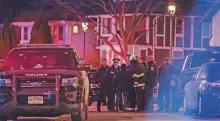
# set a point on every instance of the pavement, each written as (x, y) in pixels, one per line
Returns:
(114, 116)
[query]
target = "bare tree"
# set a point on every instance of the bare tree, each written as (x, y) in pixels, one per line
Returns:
(116, 9)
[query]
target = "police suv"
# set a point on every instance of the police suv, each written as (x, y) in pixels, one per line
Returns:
(43, 80)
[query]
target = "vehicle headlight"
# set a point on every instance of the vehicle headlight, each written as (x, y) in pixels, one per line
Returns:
(94, 86)
(70, 81)
(5, 81)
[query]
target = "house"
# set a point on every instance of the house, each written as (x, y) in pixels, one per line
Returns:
(213, 16)
(189, 34)
(64, 30)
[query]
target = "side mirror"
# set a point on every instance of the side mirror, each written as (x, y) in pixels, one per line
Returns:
(81, 61)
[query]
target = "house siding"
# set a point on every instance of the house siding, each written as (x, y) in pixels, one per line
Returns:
(62, 33)
(215, 30)
(197, 33)
(167, 32)
(187, 31)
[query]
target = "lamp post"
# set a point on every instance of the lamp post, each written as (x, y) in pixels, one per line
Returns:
(171, 11)
(84, 28)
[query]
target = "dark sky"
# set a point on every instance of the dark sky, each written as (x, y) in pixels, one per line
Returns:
(7, 4)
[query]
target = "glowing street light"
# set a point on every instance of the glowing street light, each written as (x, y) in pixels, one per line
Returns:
(172, 8)
(171, 11)
(84, 28)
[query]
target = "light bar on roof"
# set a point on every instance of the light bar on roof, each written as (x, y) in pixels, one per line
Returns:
(41, 45)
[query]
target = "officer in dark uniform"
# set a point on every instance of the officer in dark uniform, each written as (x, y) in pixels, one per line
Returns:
(111, 85)
(101, 77)
(150, 75)
(164, 79)
(138, 74)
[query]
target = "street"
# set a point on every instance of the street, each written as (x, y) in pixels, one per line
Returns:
(114, 116)
(109, 116)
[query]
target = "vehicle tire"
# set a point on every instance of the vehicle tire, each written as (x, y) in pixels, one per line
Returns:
(82, 115)
(3, 117)
(185, 106)
(203, 112)
(12, 117)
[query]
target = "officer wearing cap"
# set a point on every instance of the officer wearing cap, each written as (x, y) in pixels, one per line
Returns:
(111, 83)
(150, 75)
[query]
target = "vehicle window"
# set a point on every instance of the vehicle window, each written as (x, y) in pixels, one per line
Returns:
(202, 58)
(40, 59)
(201, 73)
(187, 62)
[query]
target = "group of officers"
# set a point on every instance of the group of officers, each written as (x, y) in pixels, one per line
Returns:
(130, 87)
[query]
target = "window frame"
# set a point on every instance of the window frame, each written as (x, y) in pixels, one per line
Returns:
(179, 35)
(155, 34)
(75, 31)
(204, 37)
(24, 36)
(103, 29)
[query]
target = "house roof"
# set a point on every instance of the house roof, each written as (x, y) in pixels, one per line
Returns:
(211, 12)
(50, 14)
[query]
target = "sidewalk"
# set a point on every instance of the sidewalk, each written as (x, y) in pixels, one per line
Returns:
(93, 108)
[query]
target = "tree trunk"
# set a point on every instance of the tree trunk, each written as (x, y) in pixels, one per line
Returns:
(125, 54)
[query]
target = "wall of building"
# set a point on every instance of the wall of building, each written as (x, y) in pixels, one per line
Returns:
(64, 33)
(215, 40)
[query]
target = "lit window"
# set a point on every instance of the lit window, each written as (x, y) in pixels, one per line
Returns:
(75, 29)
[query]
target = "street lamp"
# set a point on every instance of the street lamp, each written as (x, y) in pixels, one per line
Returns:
(171, 11)
(172, 8)
(84, 28)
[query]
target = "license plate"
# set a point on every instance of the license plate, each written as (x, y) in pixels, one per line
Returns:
(35, 100)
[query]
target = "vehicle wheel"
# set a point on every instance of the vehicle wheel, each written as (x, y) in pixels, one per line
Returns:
(185, 106)
(3, 117)
(12, 117)
(82, 115)
(202, 108)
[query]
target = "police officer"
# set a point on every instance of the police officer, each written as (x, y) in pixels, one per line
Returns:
(150, 75)
(164, 79)
(123, 85)
(111, 85)
(138, 73)
(101, 76)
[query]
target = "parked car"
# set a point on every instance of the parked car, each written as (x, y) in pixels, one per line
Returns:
(191, 65)
(94, 86)
(43, 80)
(202, 93)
